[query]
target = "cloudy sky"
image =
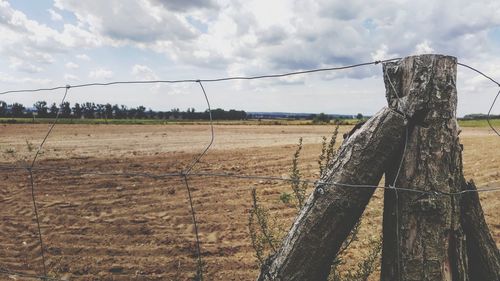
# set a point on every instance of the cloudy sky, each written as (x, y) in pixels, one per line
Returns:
(51, 43)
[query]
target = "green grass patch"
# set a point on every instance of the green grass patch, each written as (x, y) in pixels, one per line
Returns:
(168, 122)
(462, 123)
(479, 123)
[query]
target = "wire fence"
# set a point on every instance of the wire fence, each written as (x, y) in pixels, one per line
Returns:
(187, 173)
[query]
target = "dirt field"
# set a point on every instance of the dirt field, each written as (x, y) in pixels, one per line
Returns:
(133, 227)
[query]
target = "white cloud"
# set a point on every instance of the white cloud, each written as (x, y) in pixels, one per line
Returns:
(380, 53)
(424, 48)
(71, 65)
(23, 66)
(30, 45)
(101, 73)
(54, 15)
(236, 37)
(7, 78)
(71, 77)
(135, 21)
(143, 72)
(284, 36)
(83, 57)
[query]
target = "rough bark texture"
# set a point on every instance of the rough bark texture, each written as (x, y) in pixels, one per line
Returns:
(482, 252)
(331, 211)
(425, 242)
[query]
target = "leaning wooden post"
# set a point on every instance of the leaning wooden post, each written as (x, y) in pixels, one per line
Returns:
(331, 211)
(425, 241)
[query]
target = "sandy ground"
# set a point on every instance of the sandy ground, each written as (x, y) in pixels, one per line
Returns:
(131, 227)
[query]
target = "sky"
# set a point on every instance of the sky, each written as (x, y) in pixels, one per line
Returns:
(67, 42)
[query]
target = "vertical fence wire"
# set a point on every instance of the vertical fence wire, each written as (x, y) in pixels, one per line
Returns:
(489, 114)
(185, 174)
(32, 181)
(393, 185)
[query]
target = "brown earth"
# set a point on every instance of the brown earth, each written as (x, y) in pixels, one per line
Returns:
(102, 220)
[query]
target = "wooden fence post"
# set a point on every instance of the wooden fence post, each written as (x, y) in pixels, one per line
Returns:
(423, 237)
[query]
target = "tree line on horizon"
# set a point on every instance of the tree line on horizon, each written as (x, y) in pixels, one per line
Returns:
(90, 110)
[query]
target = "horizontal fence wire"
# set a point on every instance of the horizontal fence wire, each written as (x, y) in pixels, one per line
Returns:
(223, 174)
(188, 171)
(202, 80)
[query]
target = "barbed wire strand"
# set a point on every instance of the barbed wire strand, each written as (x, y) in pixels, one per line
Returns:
(32, 182)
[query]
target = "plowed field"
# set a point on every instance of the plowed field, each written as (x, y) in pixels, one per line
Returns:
(105, 214)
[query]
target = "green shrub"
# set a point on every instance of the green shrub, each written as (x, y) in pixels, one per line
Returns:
(267, 233)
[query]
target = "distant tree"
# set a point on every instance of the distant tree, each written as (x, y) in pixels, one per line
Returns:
(92, 110)
(175, 112)
(124, 111)
(132, 112)
(108, 111)
(140, 112)
(190, 113)
(321, 118)
(100, 110)
(89, 110)
(359, 116)
(150, 114)
(161, 115)
(53, 110)
(65, 110)
(17, 110)
(77, 111)
(3, 109)
(41, 108)
(117, 112)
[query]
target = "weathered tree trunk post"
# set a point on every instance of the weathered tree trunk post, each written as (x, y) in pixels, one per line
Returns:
(331, 211)
(425, 241)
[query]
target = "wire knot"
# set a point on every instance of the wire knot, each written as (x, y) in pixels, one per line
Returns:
(377, 61)
(436, 193)
(68, 86)
(320, 190)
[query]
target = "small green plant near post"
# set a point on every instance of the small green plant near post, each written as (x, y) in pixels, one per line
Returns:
(29, 145)
(10, 151)
(327, 152)
(266, 232)
(298, 187)
(286, 198)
